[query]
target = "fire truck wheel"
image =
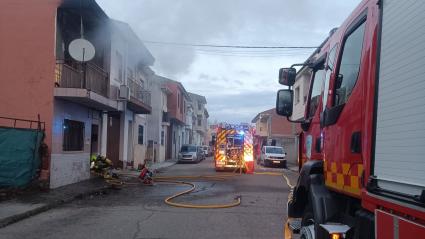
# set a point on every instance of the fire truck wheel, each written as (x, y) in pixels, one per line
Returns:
(309, 225)
(307, 232)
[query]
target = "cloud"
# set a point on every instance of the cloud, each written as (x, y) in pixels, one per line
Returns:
(237, 83)
(240, 107)
(263, 22)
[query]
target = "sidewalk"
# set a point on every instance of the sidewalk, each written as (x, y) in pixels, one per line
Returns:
(30, 203)
(292, 167)
(33, 202)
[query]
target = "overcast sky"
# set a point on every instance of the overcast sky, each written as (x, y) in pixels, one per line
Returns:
(238, 84)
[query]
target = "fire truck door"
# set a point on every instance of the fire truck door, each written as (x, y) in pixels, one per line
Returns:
(343, 114)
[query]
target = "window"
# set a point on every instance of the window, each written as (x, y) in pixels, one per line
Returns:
(199, 106)
(140, 134)
(120, 66)
(349, 66)
(174, 137)
(297, 95)
(181, 105)
(274, 150)
(315, 92)
(130, 74)
(73, 135)
(162, 137)
(329, 70)
(199, 120)
(178, 100)
(188, 148)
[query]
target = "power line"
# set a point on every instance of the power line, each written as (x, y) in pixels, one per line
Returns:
(229, 46)
(253, 56)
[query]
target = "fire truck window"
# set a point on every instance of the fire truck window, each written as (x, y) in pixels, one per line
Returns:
(331, 61)
(315, 92)
(350, 64)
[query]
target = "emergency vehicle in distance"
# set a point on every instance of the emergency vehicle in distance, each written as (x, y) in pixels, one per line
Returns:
(363, 163)
(234, 148)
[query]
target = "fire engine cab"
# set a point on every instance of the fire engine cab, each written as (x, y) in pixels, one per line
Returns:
(363, 152)
(234, 148)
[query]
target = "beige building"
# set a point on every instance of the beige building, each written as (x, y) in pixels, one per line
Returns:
(301, 88)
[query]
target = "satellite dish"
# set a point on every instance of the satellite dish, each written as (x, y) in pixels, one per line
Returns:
(81, 50)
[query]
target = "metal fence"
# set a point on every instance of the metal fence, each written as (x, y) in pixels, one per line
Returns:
(137, 91)
(96, 79)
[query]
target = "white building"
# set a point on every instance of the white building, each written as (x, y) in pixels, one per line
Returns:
(200, 124)
(301, 88)
(158, 120)
(130, 78)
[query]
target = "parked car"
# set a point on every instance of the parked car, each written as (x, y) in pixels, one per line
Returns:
(211, 151)
(203, 155)
(190, 154)
(206, 150)
(273, 156)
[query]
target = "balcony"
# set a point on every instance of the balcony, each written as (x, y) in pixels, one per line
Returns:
(89, 88)
(96, 79)
(140, 99)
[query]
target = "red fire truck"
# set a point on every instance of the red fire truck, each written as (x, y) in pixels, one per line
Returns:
(367, 179)
(234, 148)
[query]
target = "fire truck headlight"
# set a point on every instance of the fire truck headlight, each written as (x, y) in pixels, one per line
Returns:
(336, 236)
(248, 158)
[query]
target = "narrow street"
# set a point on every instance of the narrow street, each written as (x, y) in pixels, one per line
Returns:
(140, 211)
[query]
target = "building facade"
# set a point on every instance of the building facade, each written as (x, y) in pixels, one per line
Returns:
(158, 120)
(177, 102)
(200, 123)
(301, 89)
(90, 107)
(273, 129)
(80, 94)
(130, 80)
(68, 96)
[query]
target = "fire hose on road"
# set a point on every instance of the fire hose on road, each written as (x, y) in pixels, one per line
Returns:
(177, 180)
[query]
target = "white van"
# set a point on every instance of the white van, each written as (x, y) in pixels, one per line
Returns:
(273, 156)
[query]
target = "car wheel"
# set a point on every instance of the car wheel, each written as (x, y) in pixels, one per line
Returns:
(284, 164)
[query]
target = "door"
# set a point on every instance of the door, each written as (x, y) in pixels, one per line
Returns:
(113, 141)
(168, 147)
(344, 113)
(94, 144)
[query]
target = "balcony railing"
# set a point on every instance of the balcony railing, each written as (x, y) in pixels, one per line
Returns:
(96, 79)
(139, 93)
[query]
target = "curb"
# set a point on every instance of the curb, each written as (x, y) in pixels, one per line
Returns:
(167, 166)
(21, 216)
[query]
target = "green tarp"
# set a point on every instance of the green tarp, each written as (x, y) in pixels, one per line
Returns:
(19, 156)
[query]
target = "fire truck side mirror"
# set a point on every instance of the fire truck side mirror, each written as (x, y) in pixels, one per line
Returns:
(284, 102)
(287, 76)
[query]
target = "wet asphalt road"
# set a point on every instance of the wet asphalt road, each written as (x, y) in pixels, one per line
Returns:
(139, 211)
